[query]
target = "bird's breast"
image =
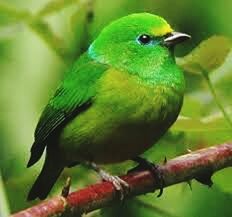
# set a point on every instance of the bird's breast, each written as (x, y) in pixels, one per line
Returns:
(136, 101)
(126, 118)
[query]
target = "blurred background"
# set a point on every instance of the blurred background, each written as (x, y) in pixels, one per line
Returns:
(39, 40)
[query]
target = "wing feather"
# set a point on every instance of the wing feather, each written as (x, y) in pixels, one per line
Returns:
(72, 97)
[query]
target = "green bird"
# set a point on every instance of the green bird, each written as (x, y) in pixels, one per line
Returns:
(116, 101)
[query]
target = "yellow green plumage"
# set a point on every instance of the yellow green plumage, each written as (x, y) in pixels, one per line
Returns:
(115, 102)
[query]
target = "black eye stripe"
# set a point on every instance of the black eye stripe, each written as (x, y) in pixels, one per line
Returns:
(144, 39)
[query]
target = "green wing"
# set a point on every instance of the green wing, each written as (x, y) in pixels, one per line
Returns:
(73, 96)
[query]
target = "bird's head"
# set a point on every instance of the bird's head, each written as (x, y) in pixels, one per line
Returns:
(137, 41)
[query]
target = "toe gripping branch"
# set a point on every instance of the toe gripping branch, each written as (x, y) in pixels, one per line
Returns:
(121, 186)
(155, 169)
(66, 188)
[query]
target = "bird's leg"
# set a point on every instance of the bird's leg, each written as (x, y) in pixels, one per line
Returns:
(66, 188)
(155, 169)
(120, 185)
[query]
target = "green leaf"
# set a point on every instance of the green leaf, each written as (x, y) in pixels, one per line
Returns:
(209, 55)
(79, 34)
(223, 180)
(11, 15)
(10, 31)
(210, 123)
(4, 209)
(153, 208)
(53, 41)
(80, 23)
(55, 6)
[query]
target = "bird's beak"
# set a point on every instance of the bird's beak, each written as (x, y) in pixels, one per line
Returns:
(175, 38)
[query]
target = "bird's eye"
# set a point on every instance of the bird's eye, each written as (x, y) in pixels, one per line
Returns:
(144, 39)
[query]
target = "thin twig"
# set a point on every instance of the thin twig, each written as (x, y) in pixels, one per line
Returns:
(217, 101)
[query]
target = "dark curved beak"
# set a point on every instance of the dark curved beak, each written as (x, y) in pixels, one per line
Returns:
(175, 38)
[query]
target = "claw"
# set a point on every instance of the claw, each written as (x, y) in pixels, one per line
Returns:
(155, 169)
(66, 188)
(120, 185)
(159, 177)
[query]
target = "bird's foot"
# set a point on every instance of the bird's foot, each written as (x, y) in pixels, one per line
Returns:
(66, 188)
(120, 185)
(155, 169)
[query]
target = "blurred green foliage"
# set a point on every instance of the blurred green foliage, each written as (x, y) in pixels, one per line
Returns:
(40, 39)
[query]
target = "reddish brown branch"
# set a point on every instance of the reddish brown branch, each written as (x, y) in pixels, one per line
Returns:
(200, 165)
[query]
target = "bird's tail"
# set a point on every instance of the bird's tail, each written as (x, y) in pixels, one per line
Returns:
(46, 179)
